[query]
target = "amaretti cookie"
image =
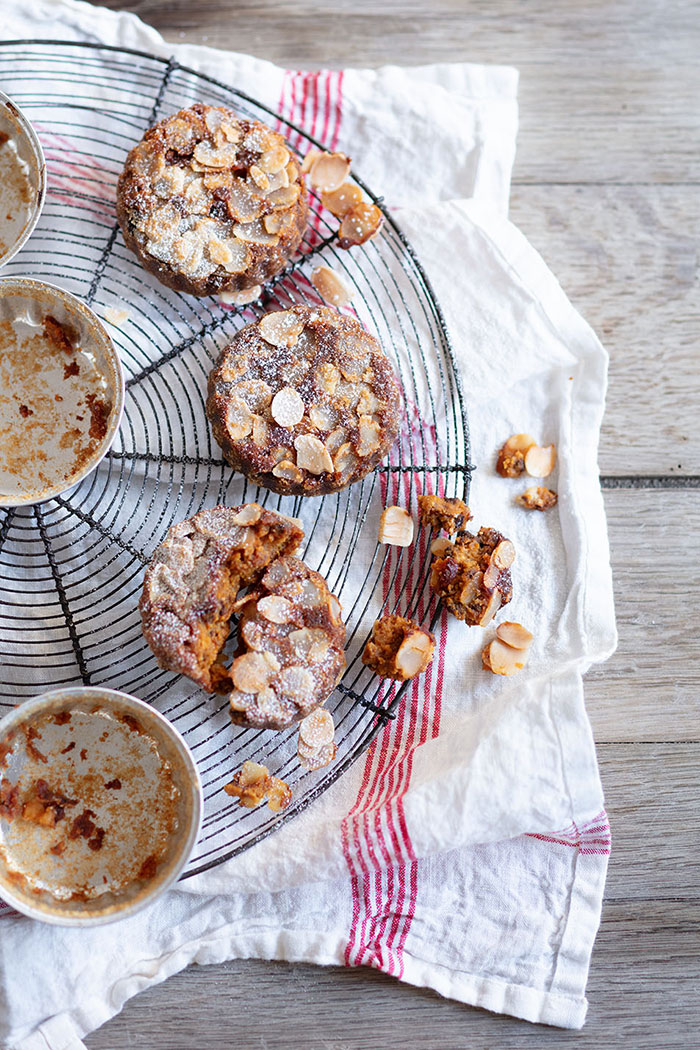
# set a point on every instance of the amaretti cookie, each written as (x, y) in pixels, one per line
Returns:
(291, 639)
(304, 401)
(194, 577)
(211, 202)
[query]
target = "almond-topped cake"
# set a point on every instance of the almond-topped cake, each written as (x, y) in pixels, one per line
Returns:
(304, 402)
(194, 577)
(472, 574)
(211, 202)
(291, 640)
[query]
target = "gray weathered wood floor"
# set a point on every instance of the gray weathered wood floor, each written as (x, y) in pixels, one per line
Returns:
(607, 188)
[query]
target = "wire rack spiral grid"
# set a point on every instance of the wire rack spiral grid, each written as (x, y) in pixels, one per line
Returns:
(71, 569)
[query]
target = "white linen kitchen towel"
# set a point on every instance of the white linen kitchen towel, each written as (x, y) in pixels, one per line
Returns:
(445, 832)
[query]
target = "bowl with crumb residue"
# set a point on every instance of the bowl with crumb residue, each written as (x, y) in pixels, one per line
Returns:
(100, 806)
(22, 179)
(61, 391)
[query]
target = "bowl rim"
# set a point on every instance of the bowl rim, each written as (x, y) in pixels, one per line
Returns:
(30, 225)
(189, 835)
(30, 284)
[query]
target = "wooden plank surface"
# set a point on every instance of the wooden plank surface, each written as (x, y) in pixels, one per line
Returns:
(605, 186)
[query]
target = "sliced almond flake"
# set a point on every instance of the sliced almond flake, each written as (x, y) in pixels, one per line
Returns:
(276, 609)
(254, 233)
(253, 671)
(277, 221)
(502, 659)
(281, 328)
(335, 609)
(116, 316)
(254, 635)
(312, 454)
(243, 204)
(261, 431)
(330, 286)
(288, 471)
(259, 177)
(504, 554)
(238, 419)
(279, 794)
(278, 181)
(252, 773)
(539, 461)
(317, 729)
(285, 196)
(439, 546)
(369, 436)
(239, 701)
(216, 157)
(322, 417)
(231, 132)
(492, 576)
(342, 200)
(274, 159)
(360, 225)
(214, 118)
(396, 527)
(318, 759)
(249, 514)
(494, 604)
(514, 635)
(334, 440)
(218, 180)
(519, 443)
(242, 298)
(329, 171)
(345, 459)
(308, 160)
(368, 404)
(415, 653)
(296, 682)
(287, 408)
(327, 377)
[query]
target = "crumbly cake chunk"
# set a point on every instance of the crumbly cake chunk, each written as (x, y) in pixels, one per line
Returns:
(304, 401)
(472, 575)
(211, 202)
(194, 576)
(439, 512)
(537, 497)
(291, 640)
(398, 648)
(253, 783)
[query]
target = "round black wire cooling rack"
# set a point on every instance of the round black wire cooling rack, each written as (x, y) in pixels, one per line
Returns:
(71, 569)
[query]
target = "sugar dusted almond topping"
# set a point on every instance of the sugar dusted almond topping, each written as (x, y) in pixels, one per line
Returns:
(242, 298)
(248, 515)
(259, 177)
(277, 221)
(540, 460)
(287, 408)
(261, 431)
(281, 328)
(274, 159)
(502, 659)
(251, 773)
(504, 554)
(335, 609)
(253, 671)
(279, 794)
(216, 157)
(514, 635)
(116, 316)
(295, 681)
(328, 377)
(342, 200)
(415, 653)
(312, 454)
(360, 224)
(288, 471)
(317, 729)
(396, 527)
(329, 171)
(254, 233)
(285, 196)
(275, 608)
(331, 286)
(231, 132)
(370, 436)
(239, 419)
(308, 160)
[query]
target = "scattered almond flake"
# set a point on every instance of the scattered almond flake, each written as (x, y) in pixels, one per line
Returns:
(331, 286)
(216, 157)
(335, 609)
(312, 454)
(329, 171)
(415, 653)
(345, 459)
(254, 233)
(492, 607)
(253, 783)
(274, 159)
(253, 671)
(239, 419)
(308, 160)
(396, 527)
(514, 635)
(281, 328)
(317, 759)
(248, 515)
(537, 498)
(540, 460)
(359, 225)
(370, 436)
(259, 177)
(287, 408)
(278, 181)
(252, 772)
(285, 196)
(275, 608)
(277, 221)
(287, 471)
(439, 546)
(214, 118)
(317, 729)
(323, 417)
(511, 455)
(342, 200)
(279, 795)
(116, 316)
(504, 554)
(231, 132)
(244, 205)
(502, 659)
(242, 298)
(295, 681)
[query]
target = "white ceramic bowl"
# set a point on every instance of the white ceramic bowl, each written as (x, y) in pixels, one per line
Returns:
(24, 176)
